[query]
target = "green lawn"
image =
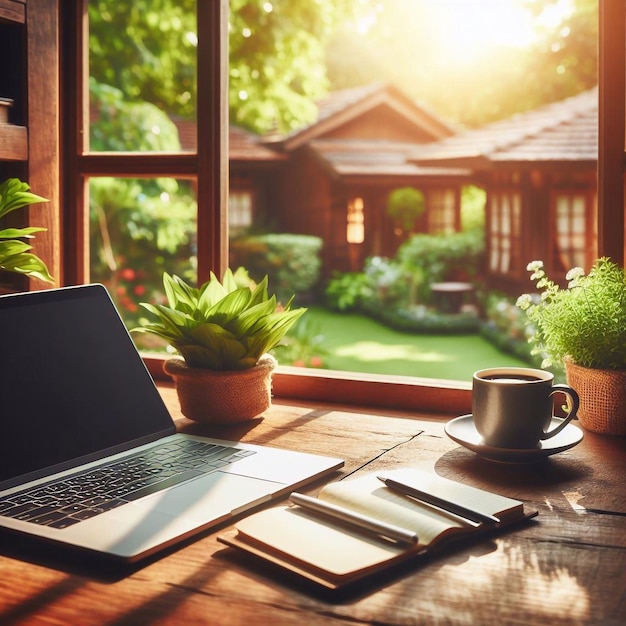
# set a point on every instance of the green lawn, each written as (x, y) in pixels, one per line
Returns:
(360, 344)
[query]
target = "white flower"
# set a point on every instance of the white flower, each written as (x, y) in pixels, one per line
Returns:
(524, 301)
(534, 266)
(575, 272)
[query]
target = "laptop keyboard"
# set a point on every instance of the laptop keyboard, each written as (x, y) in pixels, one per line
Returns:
(81, 496)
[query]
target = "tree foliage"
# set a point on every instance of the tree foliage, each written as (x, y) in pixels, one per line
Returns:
(147, 49)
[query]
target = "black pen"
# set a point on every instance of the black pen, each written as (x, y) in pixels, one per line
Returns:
(441, 503)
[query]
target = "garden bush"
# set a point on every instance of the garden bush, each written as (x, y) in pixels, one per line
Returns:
(291, 262)
(436, 258)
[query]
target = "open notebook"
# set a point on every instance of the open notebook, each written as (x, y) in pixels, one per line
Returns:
(333, 553)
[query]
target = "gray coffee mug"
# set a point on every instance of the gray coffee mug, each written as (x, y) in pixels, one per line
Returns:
(512, 407)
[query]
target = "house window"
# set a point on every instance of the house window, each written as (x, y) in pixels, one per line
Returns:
(239, 209)
(504, 232)
(355, 230)
(441, 212)
(572, 212)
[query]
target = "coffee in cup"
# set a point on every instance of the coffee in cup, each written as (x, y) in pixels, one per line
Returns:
(512, 407)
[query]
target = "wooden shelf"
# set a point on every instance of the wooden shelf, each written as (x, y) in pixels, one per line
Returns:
(13, 143)
(13, 11)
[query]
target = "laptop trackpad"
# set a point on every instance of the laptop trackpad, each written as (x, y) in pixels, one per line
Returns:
(212, 497)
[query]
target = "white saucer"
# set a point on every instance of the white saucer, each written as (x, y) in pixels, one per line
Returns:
(463, 431)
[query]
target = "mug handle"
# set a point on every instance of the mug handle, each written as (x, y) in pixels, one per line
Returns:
(574, 400)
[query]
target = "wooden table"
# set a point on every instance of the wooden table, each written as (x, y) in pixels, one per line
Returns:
(449, 297)
(568, 566)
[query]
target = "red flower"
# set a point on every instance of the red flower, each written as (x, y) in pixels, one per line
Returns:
(127, 274)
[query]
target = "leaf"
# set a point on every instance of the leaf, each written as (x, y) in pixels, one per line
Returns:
(11, 247)
(179, 294)
(211, 293)
(27, 264)
(229, 307)
(15, 194)
(14, 233)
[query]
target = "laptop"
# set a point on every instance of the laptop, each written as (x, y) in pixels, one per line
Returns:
(89, 455)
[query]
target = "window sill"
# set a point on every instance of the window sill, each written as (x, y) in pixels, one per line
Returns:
(389, 392)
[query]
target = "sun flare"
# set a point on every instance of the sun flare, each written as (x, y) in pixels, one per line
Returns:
(471, 30)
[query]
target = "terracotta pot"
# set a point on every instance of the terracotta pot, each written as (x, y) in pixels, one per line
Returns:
(602, 398)
(222, 397)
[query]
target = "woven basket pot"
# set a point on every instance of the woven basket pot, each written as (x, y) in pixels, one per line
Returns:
(602, 398)
(222, 397)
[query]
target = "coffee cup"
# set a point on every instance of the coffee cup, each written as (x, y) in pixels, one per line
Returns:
(512, 407)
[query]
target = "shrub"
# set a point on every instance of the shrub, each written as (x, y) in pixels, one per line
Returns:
(291, 262)
(405, 206)
(421, 319)
(346, 291)
(442, 257)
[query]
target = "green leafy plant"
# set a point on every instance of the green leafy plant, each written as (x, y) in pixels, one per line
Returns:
(15, 255)
(585, 322)
(220, 325)
(406, 205)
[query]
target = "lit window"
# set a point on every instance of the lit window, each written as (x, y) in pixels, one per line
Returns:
(239, 209)
(571, 214)
(355, 232)
(441, 212)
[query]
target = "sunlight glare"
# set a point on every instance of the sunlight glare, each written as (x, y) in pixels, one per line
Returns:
(375, 351)
(472, 29)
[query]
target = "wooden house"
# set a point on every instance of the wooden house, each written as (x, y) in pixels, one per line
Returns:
(333, 177)
(539, 171)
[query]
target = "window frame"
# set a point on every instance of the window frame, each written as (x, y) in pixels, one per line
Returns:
(210, 166)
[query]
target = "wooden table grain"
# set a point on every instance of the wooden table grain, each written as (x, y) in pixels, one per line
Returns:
(566, 567)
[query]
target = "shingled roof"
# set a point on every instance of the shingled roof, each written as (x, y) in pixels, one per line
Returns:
(359, 157)
(370, 155)
(346, 105)
(564, 132)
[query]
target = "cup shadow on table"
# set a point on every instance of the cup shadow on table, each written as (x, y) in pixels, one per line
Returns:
(560, 469)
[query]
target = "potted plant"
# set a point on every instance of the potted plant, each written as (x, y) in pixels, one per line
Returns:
(223, 331)
(15, 255)
(584, 326)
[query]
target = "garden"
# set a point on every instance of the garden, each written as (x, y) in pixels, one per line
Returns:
(385, 319)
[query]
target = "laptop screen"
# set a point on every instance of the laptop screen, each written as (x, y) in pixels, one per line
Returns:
(72, 383)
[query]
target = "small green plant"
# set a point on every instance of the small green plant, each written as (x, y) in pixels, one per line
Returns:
(585, 322)
(220, 325)
(405, 206)
(346, 291)
(15, 255)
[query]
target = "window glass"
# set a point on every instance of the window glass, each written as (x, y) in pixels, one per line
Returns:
(356, 222)
(322, 137)
(571, 212)
(140, 228)
(441, 211)
(142, 75)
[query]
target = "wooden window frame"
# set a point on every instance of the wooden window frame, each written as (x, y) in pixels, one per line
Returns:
(210, 166)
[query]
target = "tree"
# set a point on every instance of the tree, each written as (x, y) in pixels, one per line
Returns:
(405, 206)
(277, 66)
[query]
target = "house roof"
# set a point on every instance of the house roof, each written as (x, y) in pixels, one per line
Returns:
(563, 132)
(347, 105)
(246, 146)
(356, 157)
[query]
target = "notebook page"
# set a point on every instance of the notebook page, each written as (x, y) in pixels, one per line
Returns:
(369, 495)
(315, 542)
